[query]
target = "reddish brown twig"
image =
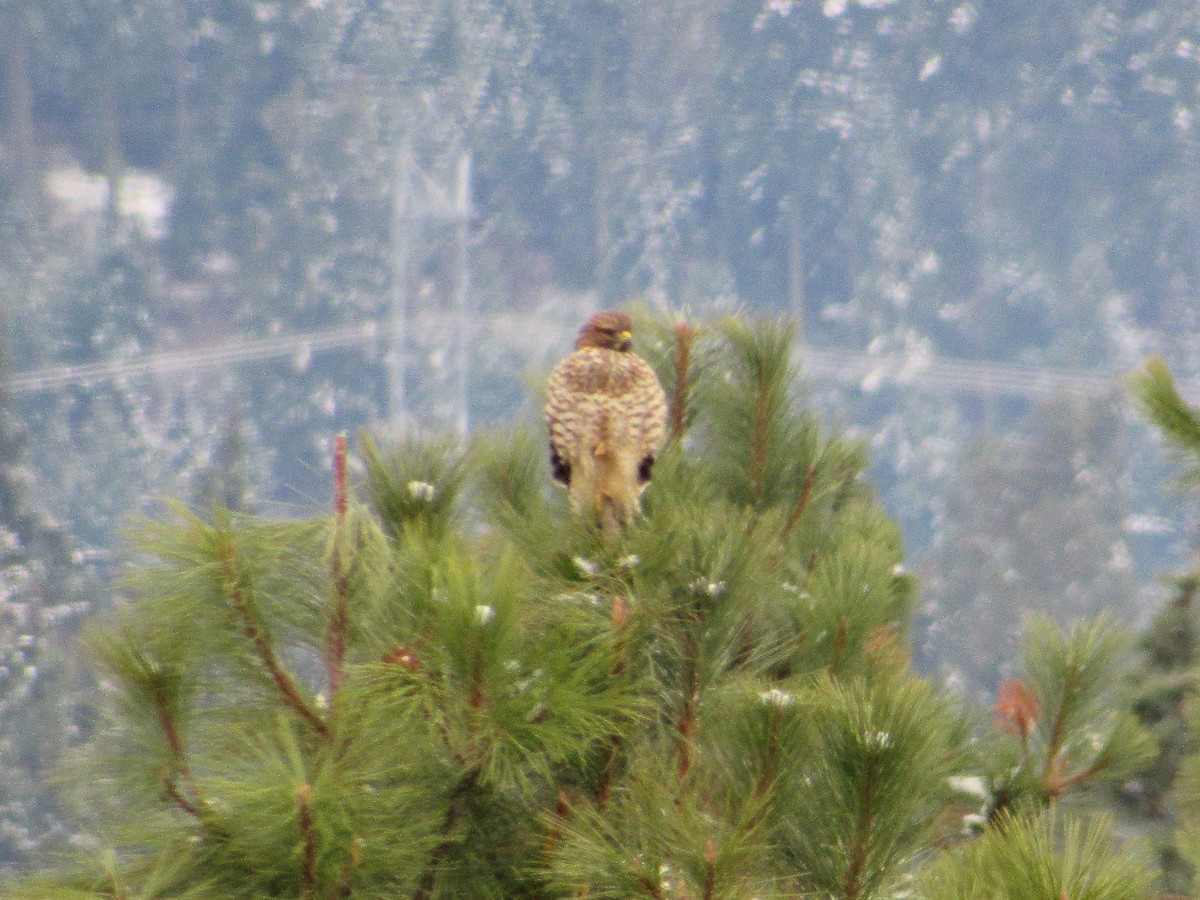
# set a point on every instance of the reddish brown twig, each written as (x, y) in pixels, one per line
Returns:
(685, 337)
(339, 477)
(801, 503)
(308, 841)
(760, 443)
(171, 792)
(561, 808)
(428, 881)
(839, 644)
(262, 645)
(612, 748)
(861, 843)
(1051, 771)
(710, 869)
(685, 724)
(335, 633)
(178, 768)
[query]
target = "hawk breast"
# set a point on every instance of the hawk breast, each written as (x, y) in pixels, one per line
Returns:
(599, 399)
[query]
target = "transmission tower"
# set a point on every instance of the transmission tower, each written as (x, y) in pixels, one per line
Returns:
(430, 237)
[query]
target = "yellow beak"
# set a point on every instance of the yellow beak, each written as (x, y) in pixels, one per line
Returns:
(625, 336)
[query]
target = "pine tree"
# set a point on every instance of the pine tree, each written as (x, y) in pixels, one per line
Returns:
(1164, 795)
(447, 687)
(1164, 686)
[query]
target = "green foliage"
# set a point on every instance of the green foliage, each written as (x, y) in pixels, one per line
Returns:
(1065, 720)
(873, 786)
(1155, 392)
(450, 688)
(416, 488)
(1044, 856)
(1184, 798)
(1161, 799)
(158, 877)
(766, 452)
(653, 841)
(684, 353)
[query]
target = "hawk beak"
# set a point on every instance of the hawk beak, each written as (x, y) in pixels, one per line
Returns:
(625, 340)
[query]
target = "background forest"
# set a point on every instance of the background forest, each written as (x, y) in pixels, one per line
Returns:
(980, 214)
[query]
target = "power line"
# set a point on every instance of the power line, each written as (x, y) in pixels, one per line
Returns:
(233, 352)
(862, 370)
(948, 375)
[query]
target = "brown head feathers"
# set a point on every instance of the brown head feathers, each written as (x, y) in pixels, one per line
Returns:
(609, 329)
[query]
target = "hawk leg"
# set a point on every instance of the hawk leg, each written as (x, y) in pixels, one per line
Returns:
(560, 469)
(645, 467)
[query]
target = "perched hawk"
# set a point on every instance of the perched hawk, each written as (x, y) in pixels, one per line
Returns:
(606, 412)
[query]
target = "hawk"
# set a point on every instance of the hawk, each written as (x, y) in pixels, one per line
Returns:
(606, 413)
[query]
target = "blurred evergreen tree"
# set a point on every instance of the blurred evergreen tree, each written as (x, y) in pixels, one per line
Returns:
(1162, 796)
(448, 687)
(42, 594)
(1164, 688)
(1034, 520)
(225, 482)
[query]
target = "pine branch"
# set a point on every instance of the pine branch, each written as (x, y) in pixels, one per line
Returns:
(254, 632)
(1081, 738)
(308, 841)
(613, 746)
(685, 725)
(335, 634)
(346, 873)
(760, 442)
(453, 812)
(1042, 855)
(685, 338)
(178, 767)
(1155, 391)
(1054, 742)
(172, 793)
(861, 842)
(802, 500)
(710, 869)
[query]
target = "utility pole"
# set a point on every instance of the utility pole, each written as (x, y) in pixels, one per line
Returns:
(462, 289)
(428, 213)
(397, 325)
(794, 228)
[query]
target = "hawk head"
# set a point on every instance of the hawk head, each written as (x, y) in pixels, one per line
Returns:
(610, 330)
